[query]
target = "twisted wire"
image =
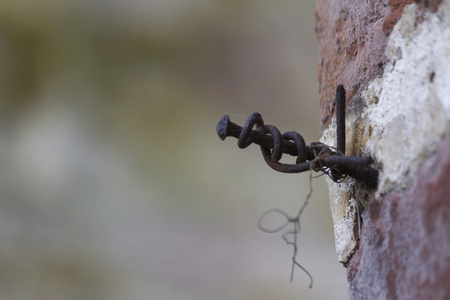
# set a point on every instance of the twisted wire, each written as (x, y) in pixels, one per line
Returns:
(317, 161)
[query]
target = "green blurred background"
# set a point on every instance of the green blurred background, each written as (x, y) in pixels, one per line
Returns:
(114, 184)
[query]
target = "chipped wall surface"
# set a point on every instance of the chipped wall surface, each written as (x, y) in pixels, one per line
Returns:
(399, 119)
(404, 250)
(352, 37)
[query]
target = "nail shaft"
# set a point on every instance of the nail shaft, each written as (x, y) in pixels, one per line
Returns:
(340, 119)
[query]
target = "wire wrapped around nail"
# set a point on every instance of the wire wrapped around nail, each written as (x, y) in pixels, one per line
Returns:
(315, 156)
(272, 157)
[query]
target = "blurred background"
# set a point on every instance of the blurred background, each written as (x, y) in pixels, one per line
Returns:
(114, 184)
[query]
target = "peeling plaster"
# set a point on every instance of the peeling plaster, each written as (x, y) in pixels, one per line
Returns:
(398, 120)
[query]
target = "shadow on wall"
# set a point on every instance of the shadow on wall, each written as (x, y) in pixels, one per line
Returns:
(113, 182)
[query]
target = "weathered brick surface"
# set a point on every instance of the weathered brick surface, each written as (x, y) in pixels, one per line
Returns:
(352, 37)
(405, 241)
(404, 250)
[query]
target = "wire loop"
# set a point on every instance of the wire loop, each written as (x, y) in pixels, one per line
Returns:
(276, 229)
(254, 119)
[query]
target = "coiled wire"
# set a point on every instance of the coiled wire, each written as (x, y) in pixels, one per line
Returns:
(317, 151)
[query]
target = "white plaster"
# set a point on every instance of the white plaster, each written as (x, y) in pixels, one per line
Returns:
(404, 116)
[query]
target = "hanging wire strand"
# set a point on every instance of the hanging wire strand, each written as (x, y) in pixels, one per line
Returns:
(292, 220)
